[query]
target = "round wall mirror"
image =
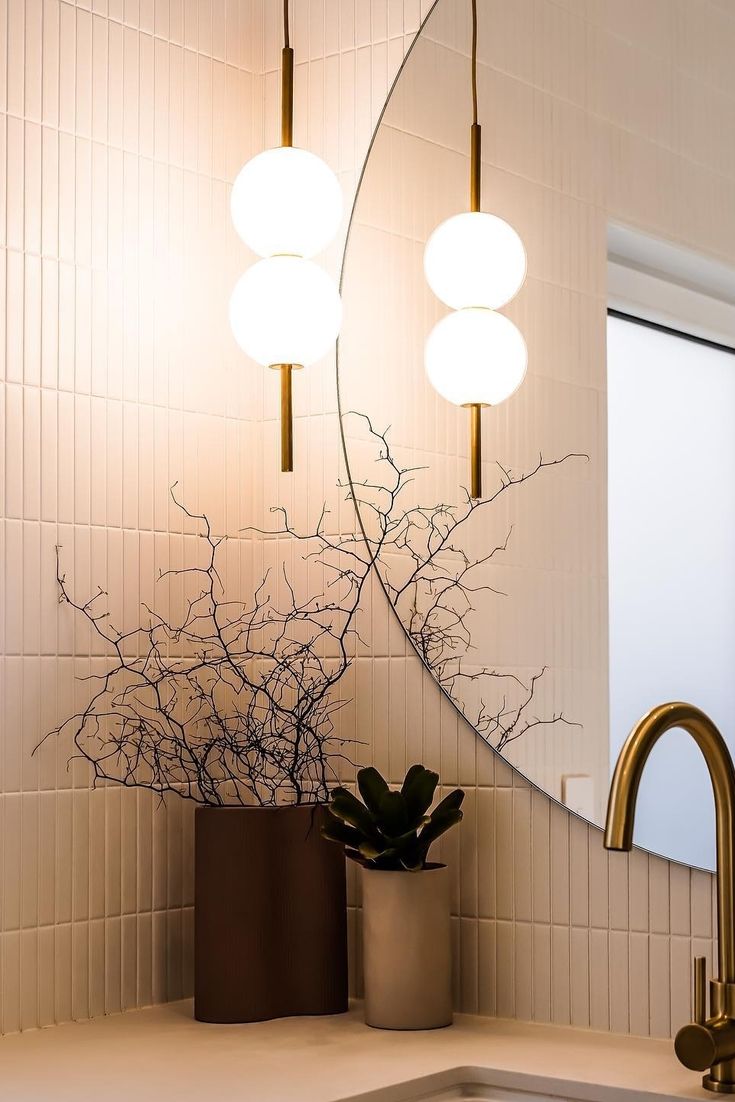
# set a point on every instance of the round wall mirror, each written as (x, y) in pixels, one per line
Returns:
(590, 578)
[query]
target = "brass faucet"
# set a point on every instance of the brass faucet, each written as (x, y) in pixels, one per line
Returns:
(707, 1042)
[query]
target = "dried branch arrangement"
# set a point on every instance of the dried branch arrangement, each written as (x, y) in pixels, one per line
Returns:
(235, 701)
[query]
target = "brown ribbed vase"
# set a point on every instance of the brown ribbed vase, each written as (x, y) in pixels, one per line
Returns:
(270, 935)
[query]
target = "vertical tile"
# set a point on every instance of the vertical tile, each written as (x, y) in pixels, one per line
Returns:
(579, 873)
(505, 969)
(486, 971)
(522, 884)
(599, 980)
(660, 985)
(619, 981)
(658, 888)
(560, 872)
(639, 995)
(618, 872)
(681, 981)
(638, 891)
(541, 857)
(523, 973)
(486, 863)
(541, 973)
(560, 975)
(580, 978)
(468, 956)
(680, 909)
(504, 876)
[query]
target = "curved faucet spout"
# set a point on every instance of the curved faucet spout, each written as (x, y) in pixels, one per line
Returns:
(624, 791)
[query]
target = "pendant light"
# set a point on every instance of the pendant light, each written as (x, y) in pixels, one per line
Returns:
(475, 262)
(286, 205)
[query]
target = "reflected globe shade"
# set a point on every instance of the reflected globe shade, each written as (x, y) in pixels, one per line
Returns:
(286, 201)
(475, 355)
(285, 310)
(475, 259)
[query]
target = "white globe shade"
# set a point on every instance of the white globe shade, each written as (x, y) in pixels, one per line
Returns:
(475, 259)
(285, 310)
(475, 355)
(286, 201)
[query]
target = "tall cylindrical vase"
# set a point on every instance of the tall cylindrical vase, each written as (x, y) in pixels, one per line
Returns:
(270, 933)
(407, 951)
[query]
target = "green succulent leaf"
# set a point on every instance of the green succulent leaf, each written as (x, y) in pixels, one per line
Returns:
(372, 786)
(336, 830)
(449, 803)
(438, 825)
(393, 818)
(412, 773)
(347, 807)
(413, 860)
(401, 841)
(418, 790)
(367, 849)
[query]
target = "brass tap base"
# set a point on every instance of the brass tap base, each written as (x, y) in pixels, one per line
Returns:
(711, 1084)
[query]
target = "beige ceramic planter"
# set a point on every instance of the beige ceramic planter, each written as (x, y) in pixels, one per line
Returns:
(407, 952)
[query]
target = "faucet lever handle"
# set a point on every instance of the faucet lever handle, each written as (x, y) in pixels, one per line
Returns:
(700, 988)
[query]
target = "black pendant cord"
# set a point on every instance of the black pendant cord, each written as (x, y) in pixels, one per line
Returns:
(475, 130)
(474, 62)
(286, 370)
(475, 201)
(287, 63)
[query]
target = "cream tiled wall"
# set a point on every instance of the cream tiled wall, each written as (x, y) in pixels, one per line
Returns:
(123, 124)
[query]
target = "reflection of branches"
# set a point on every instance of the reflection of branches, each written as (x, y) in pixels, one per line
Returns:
(434, 583)
(246, 713)
(507, 722)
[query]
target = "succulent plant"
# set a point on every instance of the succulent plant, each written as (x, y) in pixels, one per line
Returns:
(391, 829)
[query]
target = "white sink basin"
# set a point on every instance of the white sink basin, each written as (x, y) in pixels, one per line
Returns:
(486, 1085)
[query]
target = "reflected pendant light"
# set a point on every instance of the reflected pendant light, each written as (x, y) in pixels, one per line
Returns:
(475, 262)
(286, 204)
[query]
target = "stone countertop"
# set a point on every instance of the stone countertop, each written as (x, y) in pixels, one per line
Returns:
(162, 1054)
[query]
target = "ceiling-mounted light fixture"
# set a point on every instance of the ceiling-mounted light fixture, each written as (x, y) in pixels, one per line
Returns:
(286, 205)
(475, 262)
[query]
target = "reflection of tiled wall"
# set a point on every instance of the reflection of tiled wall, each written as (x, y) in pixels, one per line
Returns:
(548, 926)
(548, 571)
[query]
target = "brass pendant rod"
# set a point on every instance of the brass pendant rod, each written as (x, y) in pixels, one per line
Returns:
(475, 166)
(286, 96)
(286, 418)
(476, 450)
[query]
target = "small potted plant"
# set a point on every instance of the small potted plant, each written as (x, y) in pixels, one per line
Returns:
(406, 910)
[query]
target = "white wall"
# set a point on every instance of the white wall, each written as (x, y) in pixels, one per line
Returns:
(671, 524)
